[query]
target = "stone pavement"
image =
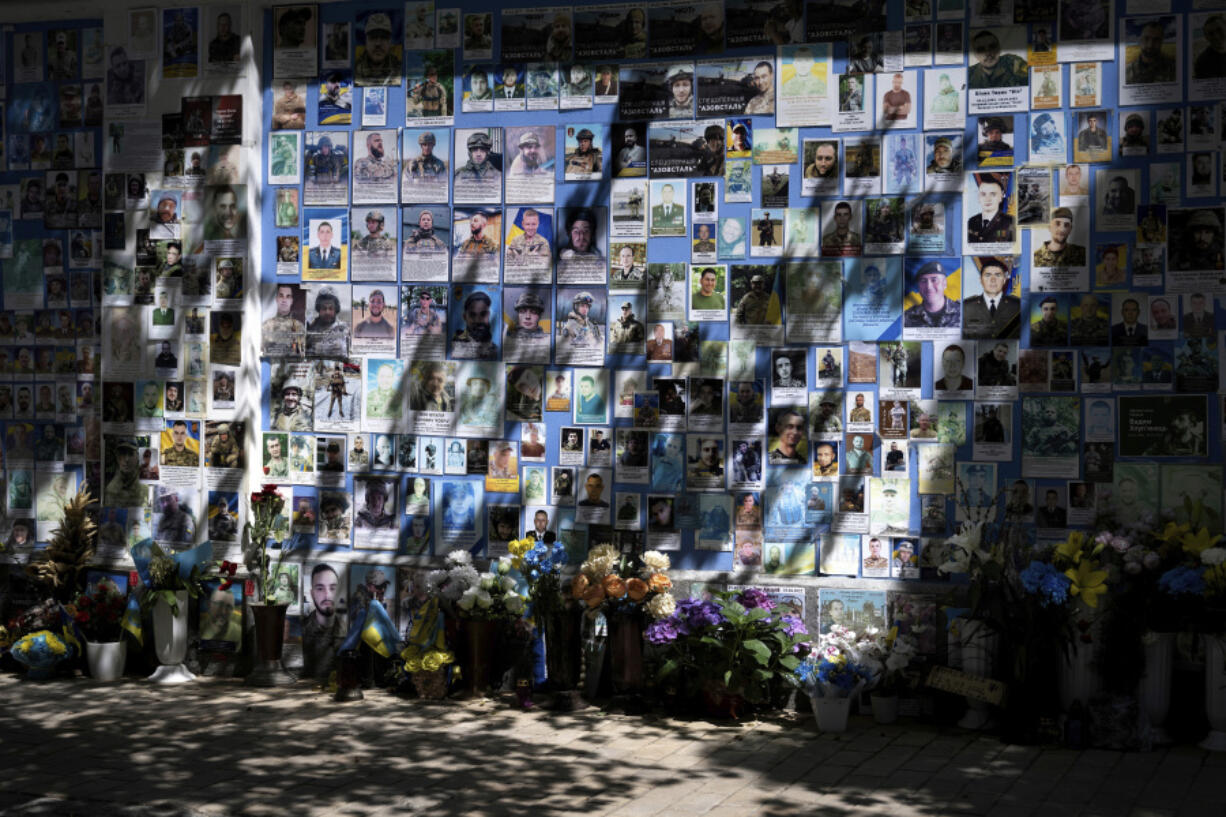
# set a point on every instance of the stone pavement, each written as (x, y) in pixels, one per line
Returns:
(216, 748)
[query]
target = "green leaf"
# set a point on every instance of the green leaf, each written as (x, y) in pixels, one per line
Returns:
(728, 678)
(760, 652)
(669, 667)
(789, 662)
(758, 613)
(762, 675)
(711, 641)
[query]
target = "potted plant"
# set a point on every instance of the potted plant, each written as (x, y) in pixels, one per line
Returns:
(555, 614)
(622, 588)
(267, 609)
(731, 651)
(833, 675)
(480, 603)
(99, 613)
(170, 579)
(887, 657)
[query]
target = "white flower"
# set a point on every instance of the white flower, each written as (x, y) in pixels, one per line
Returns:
(515, 604)
(603, 552)
(489, 583)
(468, 599)
(459, 557)
(434, 580)
(1213, 556)
(507, 583)
(484, 600)
(662, 605)
(656, 562)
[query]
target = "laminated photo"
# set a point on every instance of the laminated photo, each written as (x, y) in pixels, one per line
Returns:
(476, 234)
(383, 394)
(927, 234)
(527, 248)
(542, 90)
(766, 238)
(530, 176)
(584, 154)
(431, 388)
(776, 183)
(295, 49)
(581, 245)
(378, 50)
(943, 162)
(708, 293)
(862, 161)
(685, 28)
(335, 105)
(1085, 84)
(872, 299)
(478, 96)
(898, 105)
(1093, 137)
(686, 149)
(903, 152)
(627, 270)
(991, 307)
(754, 302)
(373, 244)
(427, 234)
(884, 226)
(1046, 87)
(738, 87)
(479, 179)
(932, 303)
(429, 89)
(1051, 437)
(1134, 133)
(459, 507)
(180, 44)
(326, 168)
(325, 233)
(784, 505)
(988, 207)
(945, 98)
(1085, 31)
(509, 87)
(821, 167)
(995, 141)
(951, 37)
(1207, 56)
(1116, 198)
(1059, 258)
(917, 45)
(1150, 53)
(628, 205)
(374, 319)
(666, 286)
(336, 53)
(375, 166)
(840, 229)
(477, 323)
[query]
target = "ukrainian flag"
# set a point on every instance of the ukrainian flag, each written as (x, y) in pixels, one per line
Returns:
(375, 630)
(131, 621)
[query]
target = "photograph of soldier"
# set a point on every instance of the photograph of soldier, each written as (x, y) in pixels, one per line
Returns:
(173, 518)
(1049, 322)
(580, 335)
(1134, 141)
(995, 65)
(378, 51)
(327, 334)
(335, 106)
(476, 234)
(373, 247)
(1093, 141)
(477, 93)
(327, 168)
(629, 149)
(627, 333)
(1150, 51)
(530, 177)
(1196, 239)
(292, 413)
(478, 41)
(993, 311)
(579, 243)
(427, 96)
(284, 333)
(583, 153)
(374, 167)
(477, 333)
(425, 167)
(1058, 250)
(528, 251)
(479, 180)
(526, 338)
(992, 223)
(374, 319)
(180, 444)
(939, 306)
(223, 445)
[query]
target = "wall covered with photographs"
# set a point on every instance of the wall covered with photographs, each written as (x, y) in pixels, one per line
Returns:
(463, 274)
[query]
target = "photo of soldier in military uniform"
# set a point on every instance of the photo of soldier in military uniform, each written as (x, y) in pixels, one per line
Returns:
(479, 179)
(378, 51)
(375, 166)
(372, 244)
(426, 172)
(527, 247)
(326, 168)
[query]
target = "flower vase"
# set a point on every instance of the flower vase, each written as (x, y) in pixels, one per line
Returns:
(885, 708)
(477, 657)
(1078, 680)
(1215, 693)
(626, 640)
(170, 641)
(1155, 691)
(830, 712)
(269, 640)
(106, 659)
(978, 644)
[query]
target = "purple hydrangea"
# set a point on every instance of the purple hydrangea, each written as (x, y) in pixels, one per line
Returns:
(662, 631)
(792, 626)
(699, 614)
(753, 597)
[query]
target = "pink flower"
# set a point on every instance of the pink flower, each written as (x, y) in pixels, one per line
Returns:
(1120, 544)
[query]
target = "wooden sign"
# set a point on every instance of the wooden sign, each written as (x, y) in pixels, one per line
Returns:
(972, 686)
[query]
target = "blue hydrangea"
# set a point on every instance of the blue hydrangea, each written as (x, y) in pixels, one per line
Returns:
(1043, 580)
(1183, 581)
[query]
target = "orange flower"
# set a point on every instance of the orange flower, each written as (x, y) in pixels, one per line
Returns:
(660, 583)
(614, 586)
(593, 596)
(579, 586)
(636, 589)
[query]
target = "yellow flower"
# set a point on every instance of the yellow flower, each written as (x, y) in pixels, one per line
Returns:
(1069, 551)
(1088, 581)
(413, 664)
(1172, 532)
(431, 662)
(1194, 543)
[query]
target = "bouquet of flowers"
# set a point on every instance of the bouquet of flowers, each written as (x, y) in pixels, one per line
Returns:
(266, 508)
(625, 584)
(737, 639)
(540, 563)
(426, 659)
(99, 611)
(470, 595)
(836, 669)
(886, 657)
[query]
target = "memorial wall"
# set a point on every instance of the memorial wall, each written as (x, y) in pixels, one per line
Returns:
(787, 290)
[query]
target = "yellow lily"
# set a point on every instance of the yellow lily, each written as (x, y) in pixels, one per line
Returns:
(1173, 531)
(1087, 582)
(1070, 550)
(1194, 543)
